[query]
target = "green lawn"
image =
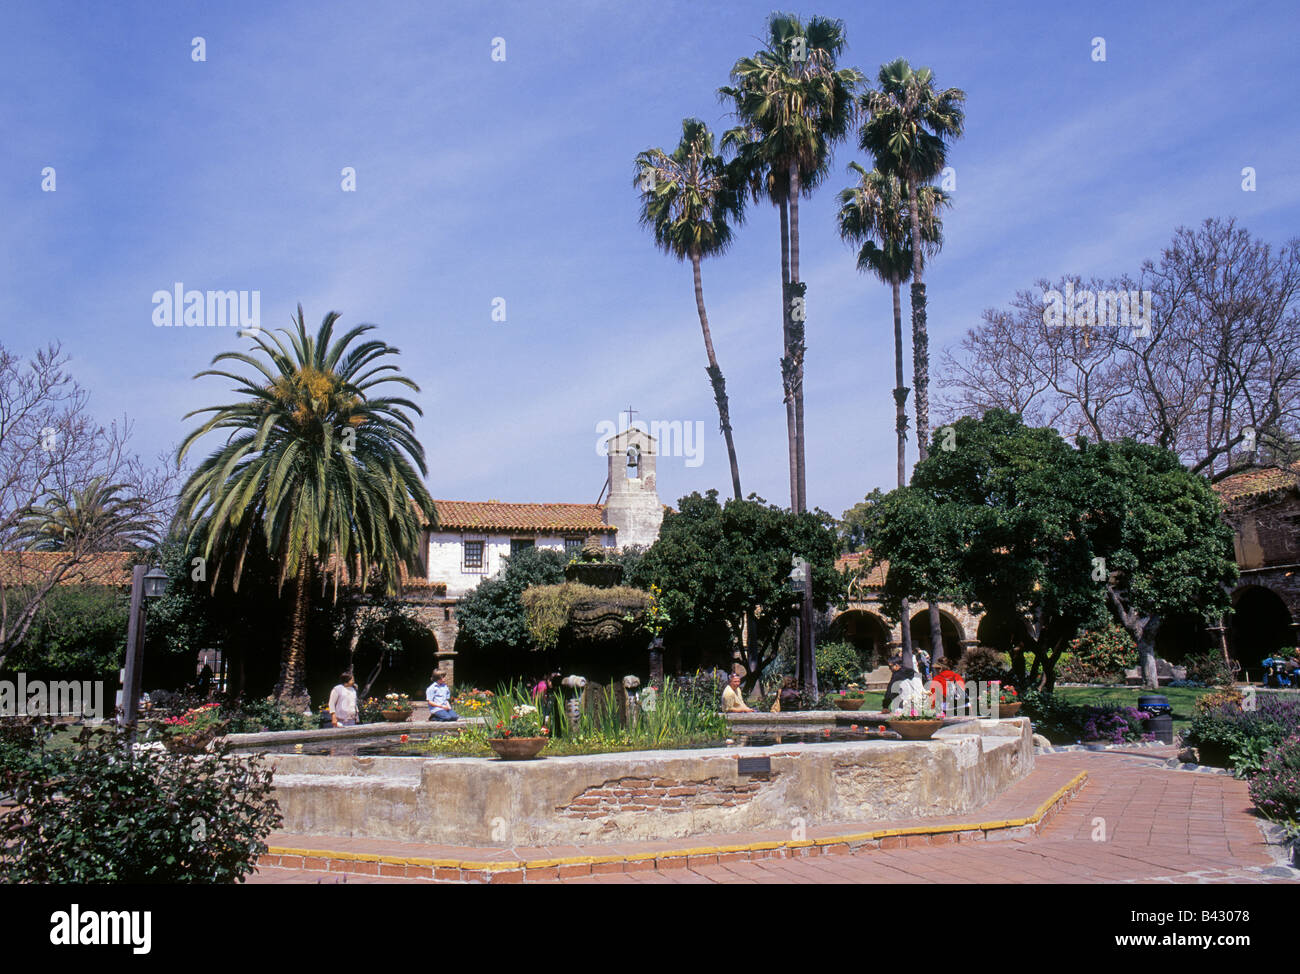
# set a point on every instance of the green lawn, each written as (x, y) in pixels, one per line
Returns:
(1182, 699)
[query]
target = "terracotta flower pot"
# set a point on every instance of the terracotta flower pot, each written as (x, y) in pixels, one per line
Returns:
(915, 730)
(195, 742)
(397, 716)
(850, 703)
(517, 748)
(1009, 709)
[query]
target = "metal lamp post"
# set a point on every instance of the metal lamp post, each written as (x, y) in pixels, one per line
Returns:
(145, 584)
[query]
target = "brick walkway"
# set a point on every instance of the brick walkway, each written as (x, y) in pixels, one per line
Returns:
(1134, 821)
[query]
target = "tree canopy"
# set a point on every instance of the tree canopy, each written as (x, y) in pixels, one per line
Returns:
(717, 564)
(1052, 539)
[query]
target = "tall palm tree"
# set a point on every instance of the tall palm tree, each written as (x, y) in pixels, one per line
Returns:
(907, 131)
(97, 517)
(909, 125)
(326, 470)
(688, 199)
(875, 214)
(793, 104)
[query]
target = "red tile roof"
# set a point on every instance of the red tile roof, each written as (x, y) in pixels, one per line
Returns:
(1256, 483)
(528, 518)
(33, 567)
(855, 561)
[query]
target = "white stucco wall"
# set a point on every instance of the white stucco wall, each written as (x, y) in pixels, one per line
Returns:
(446, 555)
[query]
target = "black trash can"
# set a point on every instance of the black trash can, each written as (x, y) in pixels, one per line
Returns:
(1161, 722)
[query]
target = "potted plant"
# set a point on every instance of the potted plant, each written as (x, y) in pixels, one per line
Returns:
(194, 730)
(851, 699)
(397, 708)
(917, 720)
(1009, 702)
(522, 735)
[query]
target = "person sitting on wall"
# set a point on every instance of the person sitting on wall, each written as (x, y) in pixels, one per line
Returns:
(732, 701)
(439, 696)
(904, 685)
(343, 702)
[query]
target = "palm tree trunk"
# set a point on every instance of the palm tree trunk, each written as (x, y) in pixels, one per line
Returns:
(920, 337)
(715, 377)
(900, 391)
(792, 435)
(799, 344)
(293, 664)
(807, 639)
(900, 426)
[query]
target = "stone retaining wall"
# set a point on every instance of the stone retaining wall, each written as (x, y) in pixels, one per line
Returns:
(649, 794)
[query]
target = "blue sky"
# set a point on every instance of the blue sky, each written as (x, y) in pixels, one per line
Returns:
(479, 179)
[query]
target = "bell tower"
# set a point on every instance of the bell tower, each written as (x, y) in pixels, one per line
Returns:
(633, 506)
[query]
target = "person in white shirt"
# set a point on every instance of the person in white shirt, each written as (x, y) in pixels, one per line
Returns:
(343, 702)
(439, 696)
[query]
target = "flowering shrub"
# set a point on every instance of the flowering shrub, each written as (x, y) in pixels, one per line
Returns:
(1275, 790)
(1007, 694)
(1115, 725)
(472, 702)
(854, 692)
(1100, 656)
(101, 812)
(201, 718)
(1226, 734)
(525, 720)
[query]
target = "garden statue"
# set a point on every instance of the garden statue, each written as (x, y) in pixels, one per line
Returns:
(573, 705)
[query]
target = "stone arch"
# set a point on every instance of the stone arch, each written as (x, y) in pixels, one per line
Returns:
(950, 628)
(866, 630)
(1260, 625)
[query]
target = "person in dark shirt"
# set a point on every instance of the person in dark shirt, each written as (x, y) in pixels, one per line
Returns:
(901, 675)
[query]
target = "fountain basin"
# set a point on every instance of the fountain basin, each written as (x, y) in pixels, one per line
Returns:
(646, 795)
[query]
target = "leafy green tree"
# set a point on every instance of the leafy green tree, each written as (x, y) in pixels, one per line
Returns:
(325, 469)
(492, 617)
(1160, 540)
(689, 199)
(80, 630)
(1015, 522)
(717, 564)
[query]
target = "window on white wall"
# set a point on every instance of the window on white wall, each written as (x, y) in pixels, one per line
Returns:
(473, 556)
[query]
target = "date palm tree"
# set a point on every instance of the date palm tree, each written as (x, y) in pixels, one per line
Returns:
(908, 127)
(689, 198)
(875, 215)
(97, 517)
(319, 460)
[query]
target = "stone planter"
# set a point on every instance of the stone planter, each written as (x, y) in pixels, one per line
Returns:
(517, 748)
(397, 716)
(914, 730)
(850, 703)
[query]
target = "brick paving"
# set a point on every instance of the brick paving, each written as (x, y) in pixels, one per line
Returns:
(1135, 821)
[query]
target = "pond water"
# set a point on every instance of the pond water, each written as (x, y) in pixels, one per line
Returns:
(759, 736)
